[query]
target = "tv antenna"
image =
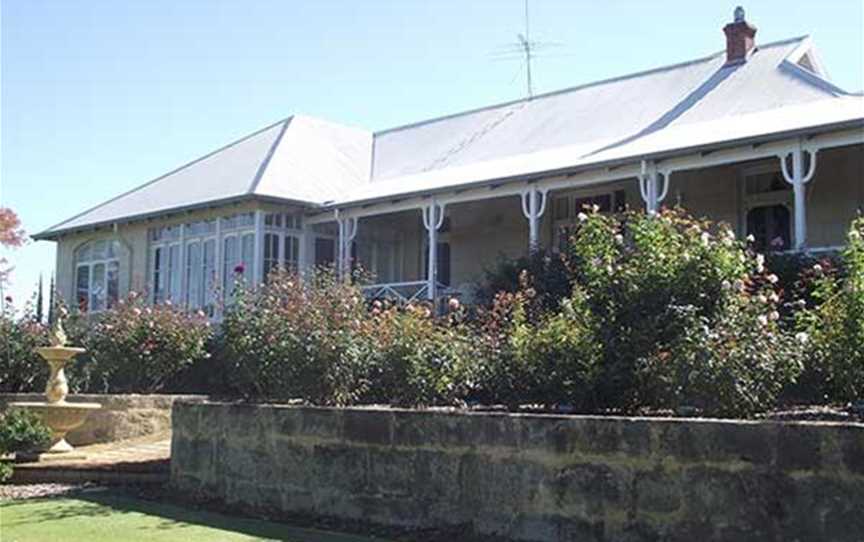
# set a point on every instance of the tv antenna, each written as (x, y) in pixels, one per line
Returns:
(524, 49)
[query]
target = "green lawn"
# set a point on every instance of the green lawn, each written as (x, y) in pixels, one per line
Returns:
(104, 516)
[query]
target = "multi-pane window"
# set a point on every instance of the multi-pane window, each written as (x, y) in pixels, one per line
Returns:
(165, 264)
(281, 242)
(200, 265)
(97, 275)
(190, 263)
(237, 254)
(566, 209)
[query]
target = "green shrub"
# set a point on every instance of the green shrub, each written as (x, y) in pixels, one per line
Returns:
(417, 359)
(663, 311)
(529, 355)
(833, 325)
(735, 364)
(138, 348)
(298, 337)
(650, 280)
(21, 368)
(547, 272)
(20, 430)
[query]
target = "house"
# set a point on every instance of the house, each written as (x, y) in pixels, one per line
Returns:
(755, 135)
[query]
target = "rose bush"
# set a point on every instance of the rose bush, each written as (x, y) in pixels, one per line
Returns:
(21, 368)
(664, 312)
(832, 324)
(298, 337)
(136, 347)
(415, 358)
(529, 355)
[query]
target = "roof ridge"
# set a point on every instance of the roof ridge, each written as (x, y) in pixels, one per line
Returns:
(575, 88)
(265, 162)
(160, 177)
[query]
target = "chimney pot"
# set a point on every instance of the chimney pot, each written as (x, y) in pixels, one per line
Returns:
(739, 38)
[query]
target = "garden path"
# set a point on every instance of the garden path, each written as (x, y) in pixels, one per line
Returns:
(142, 460)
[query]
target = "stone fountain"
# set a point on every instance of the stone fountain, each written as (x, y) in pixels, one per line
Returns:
(60, 416)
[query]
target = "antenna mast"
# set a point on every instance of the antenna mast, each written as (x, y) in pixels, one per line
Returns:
(525, 41)
(525, 50)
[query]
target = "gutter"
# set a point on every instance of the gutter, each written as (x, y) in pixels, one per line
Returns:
(53, 235)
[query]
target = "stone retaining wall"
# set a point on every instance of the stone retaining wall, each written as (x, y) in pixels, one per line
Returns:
(529, 477)
(122, 416)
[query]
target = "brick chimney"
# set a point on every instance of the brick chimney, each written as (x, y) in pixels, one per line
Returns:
(739, 38)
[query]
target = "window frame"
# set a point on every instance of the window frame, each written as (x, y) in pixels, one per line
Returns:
(285, 228)
(109, 261)
(560, 225)
(163, 241)
(203, 297)
(774, 198)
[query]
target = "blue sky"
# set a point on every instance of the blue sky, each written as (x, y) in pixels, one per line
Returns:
(101, 96)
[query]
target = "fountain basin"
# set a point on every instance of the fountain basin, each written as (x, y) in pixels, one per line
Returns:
(61, 418)
(59, 353)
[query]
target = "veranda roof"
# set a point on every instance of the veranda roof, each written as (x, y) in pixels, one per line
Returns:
(323, 164)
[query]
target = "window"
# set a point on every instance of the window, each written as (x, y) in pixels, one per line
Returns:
(770, 227)
(238, 252)
(200, 271)
(566, 209)
(325, 251)
(767, 208)
(165, 264)
(183, 265)
(97, 275)
(281, 242)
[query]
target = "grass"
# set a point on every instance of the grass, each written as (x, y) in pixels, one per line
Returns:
(105, 516)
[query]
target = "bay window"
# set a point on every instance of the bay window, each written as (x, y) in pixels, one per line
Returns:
(97, 275)
(191, 264)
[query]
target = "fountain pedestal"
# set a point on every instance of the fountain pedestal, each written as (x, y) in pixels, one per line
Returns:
(60, 416)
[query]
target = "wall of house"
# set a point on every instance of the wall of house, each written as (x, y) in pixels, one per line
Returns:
(707, 193)
(835, 195)
(527, 477)
(484, 231)
(481, 232)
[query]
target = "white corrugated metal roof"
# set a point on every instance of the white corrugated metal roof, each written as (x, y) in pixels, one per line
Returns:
(317, 162)
(300, 159)
(682, 136)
